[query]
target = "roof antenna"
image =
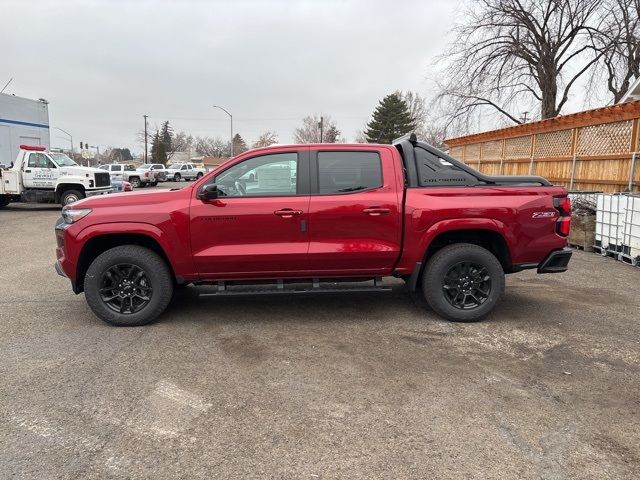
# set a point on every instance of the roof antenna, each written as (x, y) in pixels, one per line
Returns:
(6, 84)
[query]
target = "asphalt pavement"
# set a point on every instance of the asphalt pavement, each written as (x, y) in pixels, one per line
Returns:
(342, 386)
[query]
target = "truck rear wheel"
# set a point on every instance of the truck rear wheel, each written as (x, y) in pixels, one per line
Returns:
(463, 282)
(71, 196)
(4, 200)
(128, 286)
(134, 181)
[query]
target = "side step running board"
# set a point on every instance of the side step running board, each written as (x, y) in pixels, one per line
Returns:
(293, 288)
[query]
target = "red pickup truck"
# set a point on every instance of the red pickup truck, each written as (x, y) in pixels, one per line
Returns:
(305, 218)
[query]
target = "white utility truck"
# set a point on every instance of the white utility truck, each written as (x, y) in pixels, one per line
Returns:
(38, 176)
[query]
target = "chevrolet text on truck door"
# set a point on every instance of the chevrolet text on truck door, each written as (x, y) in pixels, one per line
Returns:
(313, 213)
(49, 177)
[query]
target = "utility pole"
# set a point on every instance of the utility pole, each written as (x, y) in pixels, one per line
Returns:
(145, 138)
(321, 125)
(231, 118)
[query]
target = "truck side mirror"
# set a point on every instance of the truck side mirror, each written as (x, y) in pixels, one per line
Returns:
(208, 192)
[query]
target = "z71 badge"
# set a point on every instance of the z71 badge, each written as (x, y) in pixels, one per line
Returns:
(543, 214)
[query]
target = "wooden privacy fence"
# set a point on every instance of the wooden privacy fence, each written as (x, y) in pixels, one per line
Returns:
(596, 150)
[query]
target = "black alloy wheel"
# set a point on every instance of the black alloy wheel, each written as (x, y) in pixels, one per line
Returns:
(467, 285)
(125, 288)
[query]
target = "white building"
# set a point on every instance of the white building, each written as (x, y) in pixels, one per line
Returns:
(633, 93)
(22, 121)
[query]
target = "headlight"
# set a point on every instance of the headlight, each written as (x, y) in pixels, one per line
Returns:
(72, 215)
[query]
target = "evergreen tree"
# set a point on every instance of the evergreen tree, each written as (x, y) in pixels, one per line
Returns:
(332, 135)
(239, 145)
(166, 134)
(158, 150)
(391, 119)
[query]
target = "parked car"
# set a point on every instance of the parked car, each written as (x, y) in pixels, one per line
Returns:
(119, 171)
(149, 175)
(121, 186)
(184, 171)
(354, 212)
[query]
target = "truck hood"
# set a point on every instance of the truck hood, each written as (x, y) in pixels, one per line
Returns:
(81, 170)
(124, 199)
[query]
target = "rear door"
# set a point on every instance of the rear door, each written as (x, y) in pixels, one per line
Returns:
(254, 229)
(354, 212)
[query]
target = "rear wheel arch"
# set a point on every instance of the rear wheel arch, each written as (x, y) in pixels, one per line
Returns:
(101, 243)
(489, 239)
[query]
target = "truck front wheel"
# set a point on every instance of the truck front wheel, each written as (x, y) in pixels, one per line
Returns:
(128, 286)
(463, 282)
(70, 196)
(135, 182)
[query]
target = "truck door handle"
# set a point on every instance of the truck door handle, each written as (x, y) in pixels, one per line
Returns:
(27, 171)
(287, 212)
(376, 211)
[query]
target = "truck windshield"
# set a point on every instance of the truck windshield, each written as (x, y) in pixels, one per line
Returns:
(63, 160)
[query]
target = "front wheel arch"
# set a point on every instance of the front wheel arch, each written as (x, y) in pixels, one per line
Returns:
(100, 244)
(62, 188)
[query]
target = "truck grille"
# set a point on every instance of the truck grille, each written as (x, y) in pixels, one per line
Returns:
(103, 179)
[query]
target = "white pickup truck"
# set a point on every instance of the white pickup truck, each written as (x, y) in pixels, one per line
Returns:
(184, 171)
(38, 176)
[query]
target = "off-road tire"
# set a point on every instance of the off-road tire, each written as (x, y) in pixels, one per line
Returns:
(154, 267)
(70, 196)
(135, 182)
(440, 264)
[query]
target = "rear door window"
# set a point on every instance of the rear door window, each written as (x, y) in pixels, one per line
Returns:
(344, 172)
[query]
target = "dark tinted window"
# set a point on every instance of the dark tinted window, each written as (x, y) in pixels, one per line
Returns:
(341, 172)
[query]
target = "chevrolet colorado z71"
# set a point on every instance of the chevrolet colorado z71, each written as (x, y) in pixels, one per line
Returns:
(316, 213)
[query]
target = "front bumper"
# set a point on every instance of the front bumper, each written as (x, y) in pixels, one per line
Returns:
(93, 193)
(59, 269)
(556, 262)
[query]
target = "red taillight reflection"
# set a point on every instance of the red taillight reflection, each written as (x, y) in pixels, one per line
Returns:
(563, 224)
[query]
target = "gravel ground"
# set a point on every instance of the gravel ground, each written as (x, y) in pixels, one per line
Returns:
(351, 386)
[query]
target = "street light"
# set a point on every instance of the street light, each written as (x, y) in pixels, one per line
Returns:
(70, 137)
(230, 117)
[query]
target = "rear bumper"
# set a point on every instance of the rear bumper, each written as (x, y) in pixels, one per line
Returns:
(556, 262)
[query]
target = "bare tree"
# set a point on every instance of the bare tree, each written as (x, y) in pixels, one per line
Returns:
(266, 139)
(182, 142)
(309, 132)
(211, 146)
(512, 54)
(417, 107)
(618, 40)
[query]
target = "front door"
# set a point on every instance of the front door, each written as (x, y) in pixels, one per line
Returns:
(355, 220)
(257, 227)
(39, 171)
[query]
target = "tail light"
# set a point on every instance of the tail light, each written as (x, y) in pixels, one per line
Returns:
(563, 224)
(146, 174)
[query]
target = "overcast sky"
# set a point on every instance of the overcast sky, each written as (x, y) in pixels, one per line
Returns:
(102, 65)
